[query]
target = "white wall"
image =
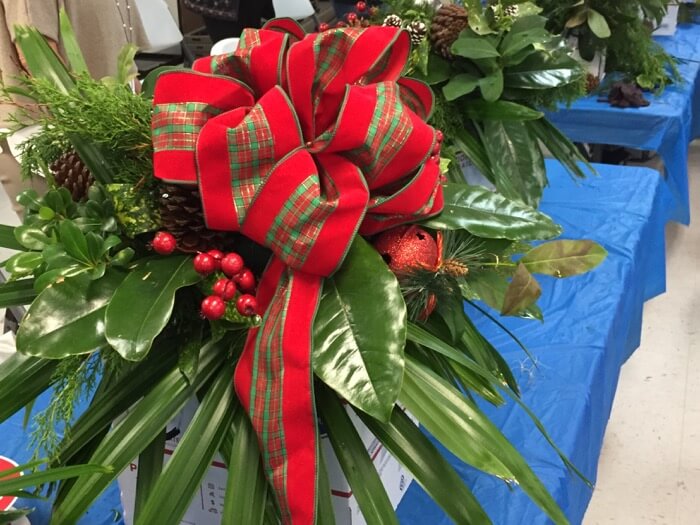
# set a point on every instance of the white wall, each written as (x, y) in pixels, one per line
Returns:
(172, 5)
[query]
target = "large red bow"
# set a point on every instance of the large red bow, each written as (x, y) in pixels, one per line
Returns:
(299, 142)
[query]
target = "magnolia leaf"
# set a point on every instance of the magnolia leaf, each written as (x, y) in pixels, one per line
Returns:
(460, 85)
(360, 332)
(142, 305)
(500, 110)
(492, 86)
(474, 47)
(491, 288)
(491, 215)
(438, 70)
(67, 318)
(598, 24)
(564, 258)
(522, 292)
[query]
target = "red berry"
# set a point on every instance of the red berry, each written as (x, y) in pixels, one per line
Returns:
(245, 280)
(439, 135)
(436, 149)
(231, 264)
(225, 289)
(213, 307)
(246, 305)
(341, 24)
(204, 264)
(217, 255)
(351, 18)
(361, 6)
(323, 26)
(164, 243)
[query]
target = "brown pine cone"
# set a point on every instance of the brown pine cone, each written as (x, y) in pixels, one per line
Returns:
(449, 21)
(182, 215)
(71, 173)
(417, 31)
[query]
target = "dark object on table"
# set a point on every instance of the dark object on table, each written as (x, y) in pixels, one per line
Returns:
(627, 95)
(592, 83)
(228, 18)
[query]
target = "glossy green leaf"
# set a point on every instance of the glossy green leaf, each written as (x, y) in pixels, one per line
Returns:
(564, 258)
(142, 305)
(500, 110)
(466, 431)
(23, 263)
(492, 86)
(131, 435)
(246, 487)
(491, 288)
(431, 470)
(70, 45)
(74, 241)
(17, 293)
(491, 215)
(516, 160)
(474, 149)
(67, 318)
(22, 379)
(192, 458)
(515, 41)
(543, 71)
(597, 23)
(357, 466)
(31, 237)
(360, 332)
(474, 47)
(460, 85)
(522, 292)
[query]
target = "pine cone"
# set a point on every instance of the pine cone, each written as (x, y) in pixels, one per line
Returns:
(417, 30)
(448, 23)
(71, 173)
(182, 215)
(393, 21)
(592, 83)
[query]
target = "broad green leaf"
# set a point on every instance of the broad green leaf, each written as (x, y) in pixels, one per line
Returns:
(543, 71)
(466, 431)
(71, 46)
(474, 47)
(439, 70)
(598, 24)
(136, 430)
(74, 241)
(354, 459)
(564, 258)
(522, 292)
(491, 215)
(516, 160)
(246, 487)
(430, 469)
(142, 305)
(500, 110)
(492, 86)
(23, 263)
(192, 458)
(491, 288)
(516, 41)
(67, 318)
(31, 237)
(17, 293)
(460, 85)
(22, 379)
(360, 332)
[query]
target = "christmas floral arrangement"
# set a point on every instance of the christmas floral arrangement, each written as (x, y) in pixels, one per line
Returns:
(492, 69)
(273, 234)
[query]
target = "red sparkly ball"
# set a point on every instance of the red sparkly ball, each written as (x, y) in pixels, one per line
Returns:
(213, 308)
(407, 247)
(245, 280)
(323, 26)
(351, 18)
(247, 305)
(225, 289)
(232, 264)
(341, 24)
(361, 6)
(164, 243)
(204, 264)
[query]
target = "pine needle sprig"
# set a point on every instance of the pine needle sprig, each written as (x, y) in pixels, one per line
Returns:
(74, 380)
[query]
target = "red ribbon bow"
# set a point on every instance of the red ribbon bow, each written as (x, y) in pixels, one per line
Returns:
(299, 142)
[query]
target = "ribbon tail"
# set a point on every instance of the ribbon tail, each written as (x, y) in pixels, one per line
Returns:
(274, 382)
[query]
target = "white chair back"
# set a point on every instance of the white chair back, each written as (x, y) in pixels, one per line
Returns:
(227, 45)
(296, 9)
(161, 29)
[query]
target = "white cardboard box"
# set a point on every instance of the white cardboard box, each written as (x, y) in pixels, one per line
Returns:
(669, 23)
(208, 504)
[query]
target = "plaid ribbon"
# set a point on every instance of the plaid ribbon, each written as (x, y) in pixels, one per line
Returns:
(318, 140)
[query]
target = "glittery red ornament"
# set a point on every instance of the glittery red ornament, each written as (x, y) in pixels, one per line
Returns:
(407, 247)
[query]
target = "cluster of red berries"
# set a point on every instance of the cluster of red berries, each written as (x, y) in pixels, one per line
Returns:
(238, 279)
(354, 19)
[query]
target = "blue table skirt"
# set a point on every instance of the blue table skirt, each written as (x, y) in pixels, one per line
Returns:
(685, 44)
(592, 325)
(666, 126)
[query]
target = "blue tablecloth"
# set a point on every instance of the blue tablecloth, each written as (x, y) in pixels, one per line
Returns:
(685, 44)
(592, 325)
